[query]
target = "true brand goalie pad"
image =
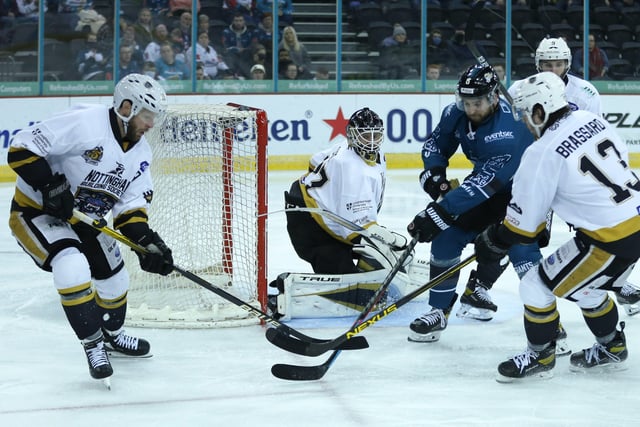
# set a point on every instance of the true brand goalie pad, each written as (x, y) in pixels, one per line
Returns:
(310, 295)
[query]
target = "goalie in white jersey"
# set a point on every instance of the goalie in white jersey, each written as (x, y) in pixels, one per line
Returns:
(95, 159)
(346, 179)
(579, 168)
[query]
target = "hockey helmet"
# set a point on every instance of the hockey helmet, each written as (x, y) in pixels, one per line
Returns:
(475, 82)
(365, 133)
(545, 89)
(143, 92)
(553, 49)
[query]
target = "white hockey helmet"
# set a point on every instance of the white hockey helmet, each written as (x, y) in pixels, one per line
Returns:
(553, 49)
(545, 89)
(365, 133)
(143, 92)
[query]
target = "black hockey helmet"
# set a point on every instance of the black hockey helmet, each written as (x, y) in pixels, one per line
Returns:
(477, 81)
(365, 132)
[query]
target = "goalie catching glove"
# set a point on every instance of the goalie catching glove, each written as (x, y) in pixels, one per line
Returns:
(396, 241)
(430, 222)
(158, 259)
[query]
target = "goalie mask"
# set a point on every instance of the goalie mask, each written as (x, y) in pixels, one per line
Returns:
(144, 93)
(365, 133)
(544, 89)
(477, 81)
(553, 49)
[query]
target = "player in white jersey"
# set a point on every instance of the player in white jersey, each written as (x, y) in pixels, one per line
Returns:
(346, 179)
(95, 159)
(579, 168)
(553, 54)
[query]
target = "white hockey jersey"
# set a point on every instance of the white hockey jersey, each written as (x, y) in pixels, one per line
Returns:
(581, 94)
(80, 144)
(341, 182)
(580, 169)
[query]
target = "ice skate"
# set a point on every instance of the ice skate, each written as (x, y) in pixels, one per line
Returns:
(528, 364)
(475, 302)
(562, 347)
(629, 298)
(602, 357)
(119, 344)
(98, 360)
(429, 326)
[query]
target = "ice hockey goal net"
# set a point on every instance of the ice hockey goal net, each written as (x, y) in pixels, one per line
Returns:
(210, 179)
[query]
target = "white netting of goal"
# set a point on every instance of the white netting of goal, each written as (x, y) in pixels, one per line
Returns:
(206, 170)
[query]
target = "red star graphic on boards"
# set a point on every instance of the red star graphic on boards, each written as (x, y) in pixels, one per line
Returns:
(338, 125)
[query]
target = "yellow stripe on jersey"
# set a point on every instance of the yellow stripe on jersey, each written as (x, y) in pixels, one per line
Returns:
(530, 235)
(19, 157)
(24, 201)
(26, 238)
(131, 217)
(617, 232)
(311, 203)
(593, 262)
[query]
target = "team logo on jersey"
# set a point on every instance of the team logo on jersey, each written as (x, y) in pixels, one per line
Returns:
(148, 195)
(515, 207)
(118, 170)
(93, 156)
(95, 202)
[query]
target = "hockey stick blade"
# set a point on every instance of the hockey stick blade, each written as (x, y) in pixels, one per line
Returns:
(292, 345)
(313, 349)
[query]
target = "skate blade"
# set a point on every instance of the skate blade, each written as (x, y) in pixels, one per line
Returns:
(117, 355)
(544, 375)
(430, 337)
(631, 309)
(106, 382)
(562, 348)
(467, 311)
(599, 369)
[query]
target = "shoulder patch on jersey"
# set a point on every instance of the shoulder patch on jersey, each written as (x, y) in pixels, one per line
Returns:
(93, 156)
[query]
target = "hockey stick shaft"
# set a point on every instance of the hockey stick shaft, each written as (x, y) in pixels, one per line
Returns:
(314, 349)
(101, 225)
(302, 346)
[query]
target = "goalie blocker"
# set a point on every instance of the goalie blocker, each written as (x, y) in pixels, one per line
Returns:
(310, 295)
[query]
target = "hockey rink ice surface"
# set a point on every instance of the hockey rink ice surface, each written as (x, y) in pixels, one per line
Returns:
(222, 377)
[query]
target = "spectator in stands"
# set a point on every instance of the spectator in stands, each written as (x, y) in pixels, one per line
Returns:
(179, 7)
(204, 24)
(27, 10)
(200, 73)
(297, 52)
(207, 56)
(159, 9)
(501, 72)
(397, 59)
(143, 27)
(322, 73)
(237, 40)
(433, 72)
(129, 39)
(285, 10)
(264, 32)
(245, 7)
(290, 71)
(152, 51)
(261, 57)
(184, 25)
(149, 69)
(91, 62)
(257, 72)
(598, 60)
(461, 57)
(126, 64)
(168, 67)
(175, 38)
(437, 52)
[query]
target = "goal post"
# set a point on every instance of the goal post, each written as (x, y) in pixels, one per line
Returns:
(209, 170)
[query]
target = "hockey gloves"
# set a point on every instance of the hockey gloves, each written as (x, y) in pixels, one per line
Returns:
(396, 241)
(488, 247)
(159, 259)
(430, 222)
(434, 182)
(57, 199)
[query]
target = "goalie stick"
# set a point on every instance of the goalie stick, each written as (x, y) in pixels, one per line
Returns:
(310, 373)
(101, 225)
(298, 346)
